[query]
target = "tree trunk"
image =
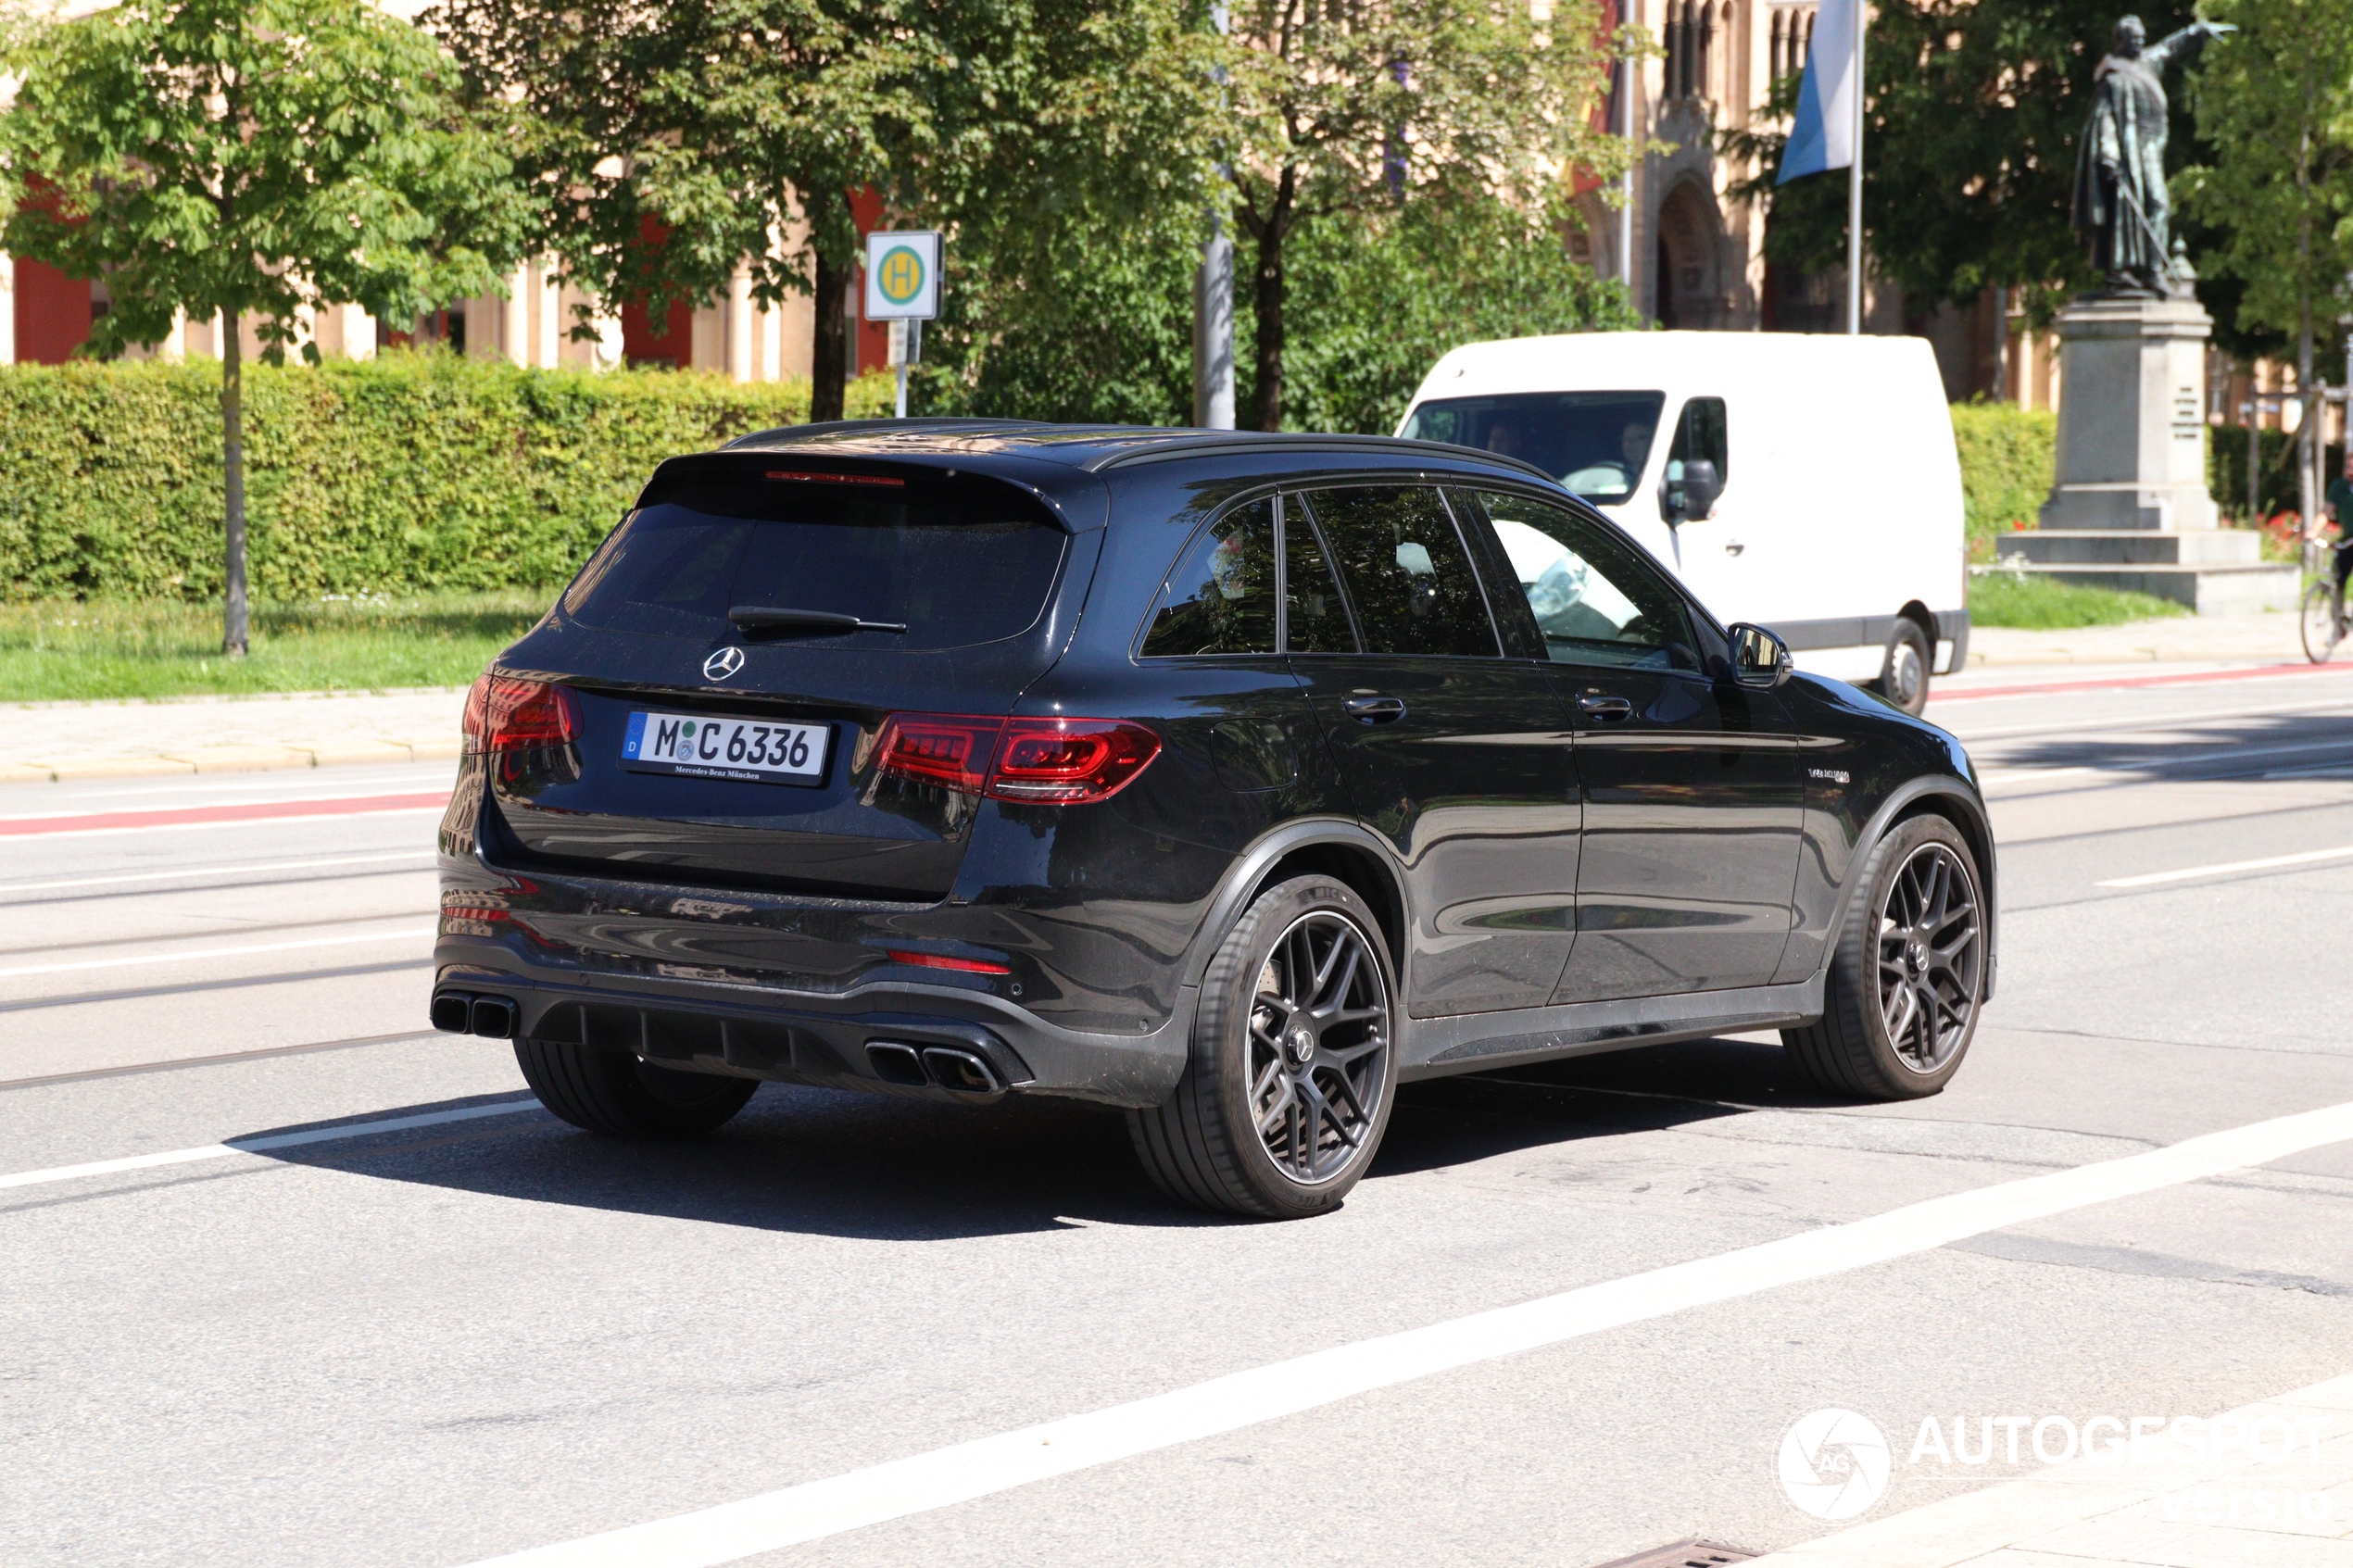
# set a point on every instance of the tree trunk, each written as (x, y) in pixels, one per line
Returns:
(829, 357)
(233, 475)
(1266, 394)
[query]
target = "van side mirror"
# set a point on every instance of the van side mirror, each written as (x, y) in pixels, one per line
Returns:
(1759, 658)
(1692, 496)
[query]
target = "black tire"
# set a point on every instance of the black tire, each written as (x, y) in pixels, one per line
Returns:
(1855, 1049)
(1904, 673)
(606, 1090)
(1204, 1145)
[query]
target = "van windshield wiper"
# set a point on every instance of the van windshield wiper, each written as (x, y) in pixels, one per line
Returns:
(764, 618)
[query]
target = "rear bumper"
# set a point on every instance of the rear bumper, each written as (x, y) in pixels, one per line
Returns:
(799, 1037)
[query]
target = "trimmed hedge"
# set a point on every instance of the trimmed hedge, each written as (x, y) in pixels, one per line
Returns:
(2009, 457)
(410, 472)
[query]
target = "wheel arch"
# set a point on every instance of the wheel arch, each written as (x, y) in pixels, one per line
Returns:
(1933, 796)
(1342, 850)
(1924, 618)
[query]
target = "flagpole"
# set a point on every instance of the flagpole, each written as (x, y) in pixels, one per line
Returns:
(1854, 189)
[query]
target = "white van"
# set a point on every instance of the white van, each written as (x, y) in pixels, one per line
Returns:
(1808, 484)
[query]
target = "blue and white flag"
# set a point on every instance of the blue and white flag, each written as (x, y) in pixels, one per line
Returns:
(1823, 134)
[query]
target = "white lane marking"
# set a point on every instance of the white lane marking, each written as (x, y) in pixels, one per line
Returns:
(2130, 724)
(959, 1474)
(2269, 863)
(281, 824)
(212, 871)
(263, 1145)
(405, 934)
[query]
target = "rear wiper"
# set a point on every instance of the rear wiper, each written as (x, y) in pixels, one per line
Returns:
(763, 618)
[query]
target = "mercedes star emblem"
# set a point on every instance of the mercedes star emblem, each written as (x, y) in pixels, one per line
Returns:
(723, 663)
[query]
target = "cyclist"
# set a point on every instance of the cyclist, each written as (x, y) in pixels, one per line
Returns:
(2338, 505)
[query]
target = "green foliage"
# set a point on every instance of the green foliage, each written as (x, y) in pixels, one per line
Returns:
(1099, 328)
(1375, 302)
(255, 157)
(2037, 603)
(1974, 110)
(2276, 469)
(2276, 102)
(1348, 109)
(78, 651)
(2008, 459)
(406, 473)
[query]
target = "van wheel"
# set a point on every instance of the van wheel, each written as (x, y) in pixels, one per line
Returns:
(607, 1090)
(1904, 677)
(1900, 1008)
(1292, 1072)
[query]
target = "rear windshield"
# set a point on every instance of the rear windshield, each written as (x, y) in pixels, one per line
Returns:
(1594, 443)
(955, 560)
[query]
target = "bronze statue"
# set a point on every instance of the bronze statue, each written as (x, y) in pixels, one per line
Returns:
(2120, 198)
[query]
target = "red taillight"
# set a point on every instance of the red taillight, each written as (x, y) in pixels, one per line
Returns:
(941, 960)
(941, 748)
(1051, 762)
(507, 714)
(1069, 761)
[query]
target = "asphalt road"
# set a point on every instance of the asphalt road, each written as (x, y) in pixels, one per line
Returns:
(484, 1332)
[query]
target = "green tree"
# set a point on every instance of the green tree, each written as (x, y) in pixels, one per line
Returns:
(258, 158)
(1341, 109)
(1973, 112)
(674, 144)
(2275, 101)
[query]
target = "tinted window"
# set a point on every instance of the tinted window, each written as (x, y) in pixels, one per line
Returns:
(1593, 596)
(1405, 570)
(1316, 619)
(1701, 434)
(1594, 443)
(1221, 598)
(955, 560)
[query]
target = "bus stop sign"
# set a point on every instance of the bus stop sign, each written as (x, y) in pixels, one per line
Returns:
(902, 276)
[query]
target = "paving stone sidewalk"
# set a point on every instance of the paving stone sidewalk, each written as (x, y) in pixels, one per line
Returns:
(2269, 639)
(2275, 1512)
(91, 740)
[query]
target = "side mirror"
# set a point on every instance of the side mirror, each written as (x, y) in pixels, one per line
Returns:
(1689, 493)
(1759, 658)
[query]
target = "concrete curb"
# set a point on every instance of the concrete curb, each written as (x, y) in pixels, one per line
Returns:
(226, 760)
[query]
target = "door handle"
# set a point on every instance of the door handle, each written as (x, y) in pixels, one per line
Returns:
(1373, 707)
(1608, 710)
(1733, 547)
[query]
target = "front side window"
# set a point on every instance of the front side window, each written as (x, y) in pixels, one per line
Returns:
(1597, 444)
(1594, 599)
(1405, 570)
(1221, 598)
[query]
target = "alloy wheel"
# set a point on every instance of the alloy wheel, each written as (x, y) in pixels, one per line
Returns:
(1930, 958)
(1320, 1046)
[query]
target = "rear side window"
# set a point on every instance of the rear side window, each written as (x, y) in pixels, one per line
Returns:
(955, 560)
(1221, 598)
(1405, 570)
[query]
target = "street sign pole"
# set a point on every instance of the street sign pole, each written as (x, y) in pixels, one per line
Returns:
(902, 288)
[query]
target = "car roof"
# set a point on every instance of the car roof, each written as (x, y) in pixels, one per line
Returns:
(1092, 448)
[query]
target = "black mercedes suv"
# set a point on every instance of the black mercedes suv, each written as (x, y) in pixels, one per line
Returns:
(1229, 779)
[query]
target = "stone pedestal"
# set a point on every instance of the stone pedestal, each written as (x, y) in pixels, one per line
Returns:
(2130, 509)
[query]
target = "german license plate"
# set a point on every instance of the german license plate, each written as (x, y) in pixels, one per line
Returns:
(754, 750)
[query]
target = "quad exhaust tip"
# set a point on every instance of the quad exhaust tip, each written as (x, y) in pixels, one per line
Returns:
(460, 1012)
(952, 1068)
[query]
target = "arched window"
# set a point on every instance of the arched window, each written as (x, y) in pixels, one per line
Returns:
(1805, 56)
(1781, 38)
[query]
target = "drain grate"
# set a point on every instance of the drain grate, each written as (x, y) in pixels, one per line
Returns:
(1684, 1554)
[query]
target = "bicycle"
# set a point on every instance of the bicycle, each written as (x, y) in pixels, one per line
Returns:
(2322, 618)
(2322, 621)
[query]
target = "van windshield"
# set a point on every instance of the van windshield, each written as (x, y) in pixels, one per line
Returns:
(953, 560)
(1594, 443)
